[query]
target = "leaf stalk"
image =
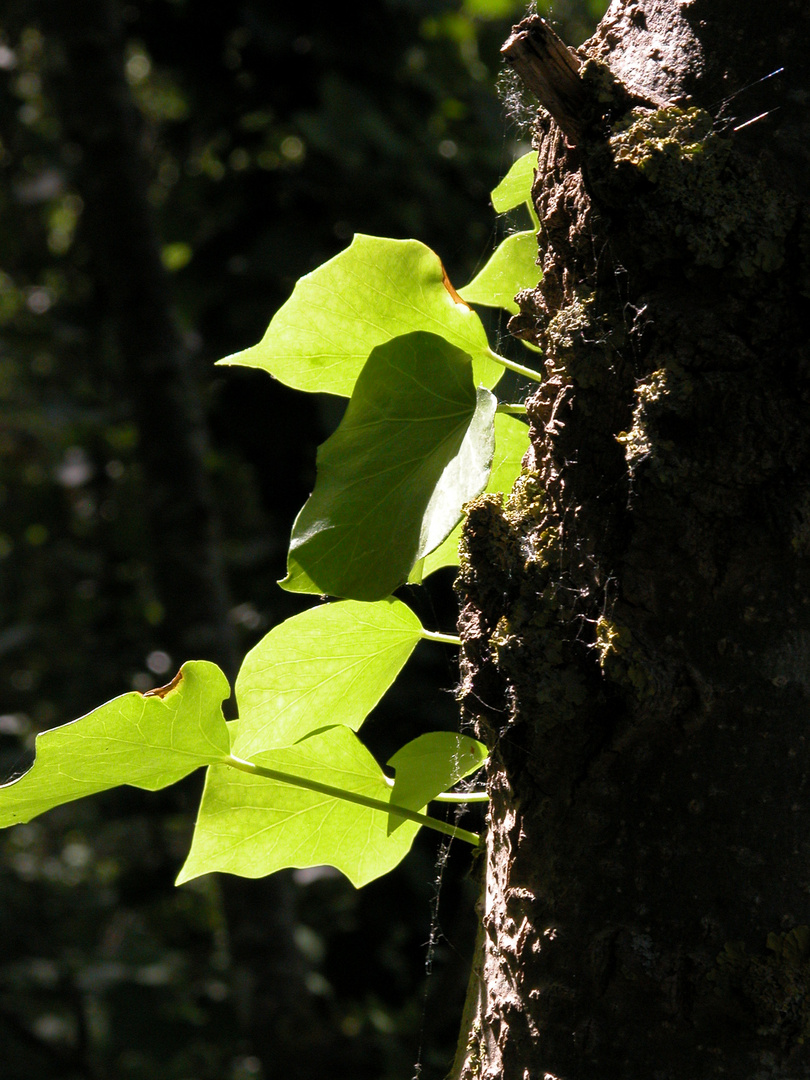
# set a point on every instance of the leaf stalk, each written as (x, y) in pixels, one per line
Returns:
(354, 797)
(519, 369)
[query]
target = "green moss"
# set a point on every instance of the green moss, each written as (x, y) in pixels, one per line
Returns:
(620, 659)
(800, 539)
(702, 195)
(776, 987)
(486, 539)
(515, 549)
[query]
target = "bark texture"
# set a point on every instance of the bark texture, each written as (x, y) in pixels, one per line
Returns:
(636, 618)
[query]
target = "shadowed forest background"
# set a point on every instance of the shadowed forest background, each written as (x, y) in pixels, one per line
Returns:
(263, 137)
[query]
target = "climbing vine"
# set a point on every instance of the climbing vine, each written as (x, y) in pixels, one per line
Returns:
(289, 783)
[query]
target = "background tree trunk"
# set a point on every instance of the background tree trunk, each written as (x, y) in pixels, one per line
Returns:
(636, 619)
(156, 378)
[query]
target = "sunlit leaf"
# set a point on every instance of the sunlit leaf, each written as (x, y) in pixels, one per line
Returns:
(375, 290)
(328, 665)
(516, 186)
(512, 267)
(415, 444)
(251, 825)
(430, 764)
(511, 444)
(147, 741)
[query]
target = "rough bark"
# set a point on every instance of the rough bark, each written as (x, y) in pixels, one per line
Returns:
(636, 617)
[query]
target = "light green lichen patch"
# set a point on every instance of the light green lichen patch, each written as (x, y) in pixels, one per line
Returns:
(704, 195)
(651, 142)
(776, 987)
(564, 330)
(527, 499)
(569, 340)
(637, 442)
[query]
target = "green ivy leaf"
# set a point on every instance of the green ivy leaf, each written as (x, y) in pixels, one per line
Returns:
(511, 444)
(144, 740)
(251, 825)
(516, 186)
(329, 665)
(415, 444)
(512, 267)
(375, 290)
(430, 764)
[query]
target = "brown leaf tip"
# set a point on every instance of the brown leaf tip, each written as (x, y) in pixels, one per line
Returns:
(163, 691)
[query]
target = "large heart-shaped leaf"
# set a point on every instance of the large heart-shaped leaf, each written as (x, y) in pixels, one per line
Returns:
(251, 825)
(375, 290)
(147, 741)
(329, 665)
(415, 444)
(511, 444)
(299, 811)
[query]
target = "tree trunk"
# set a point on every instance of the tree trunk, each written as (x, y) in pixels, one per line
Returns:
(637, 617)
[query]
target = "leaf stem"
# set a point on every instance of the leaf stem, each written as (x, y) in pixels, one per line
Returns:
(448, 639)
(516, 408)
(510, 365)
(354, 797)
(461, 796)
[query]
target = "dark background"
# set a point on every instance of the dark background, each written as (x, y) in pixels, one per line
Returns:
(266, 136)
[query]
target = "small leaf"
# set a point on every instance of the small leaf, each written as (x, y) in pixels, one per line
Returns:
(516, 186)
(513, 267)
(147, 741)
(430, 764)
(251, 826)
(414, 445)
(511, 444)
(329, 665)
(375, 290)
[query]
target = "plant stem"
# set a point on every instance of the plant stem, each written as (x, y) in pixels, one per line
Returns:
(510, 365)
(516, 408)
(461, 796)
(448, 639)
(354, 797)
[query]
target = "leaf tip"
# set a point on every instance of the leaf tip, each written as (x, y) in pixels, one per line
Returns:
(449, 286)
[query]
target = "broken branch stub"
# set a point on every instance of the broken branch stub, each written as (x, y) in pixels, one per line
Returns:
(550, 70)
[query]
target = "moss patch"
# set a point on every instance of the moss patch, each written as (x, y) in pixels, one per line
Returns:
(620, 659)
(701, 194)
(776, 987)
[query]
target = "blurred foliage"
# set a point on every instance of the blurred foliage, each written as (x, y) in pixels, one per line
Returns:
(272, 133)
